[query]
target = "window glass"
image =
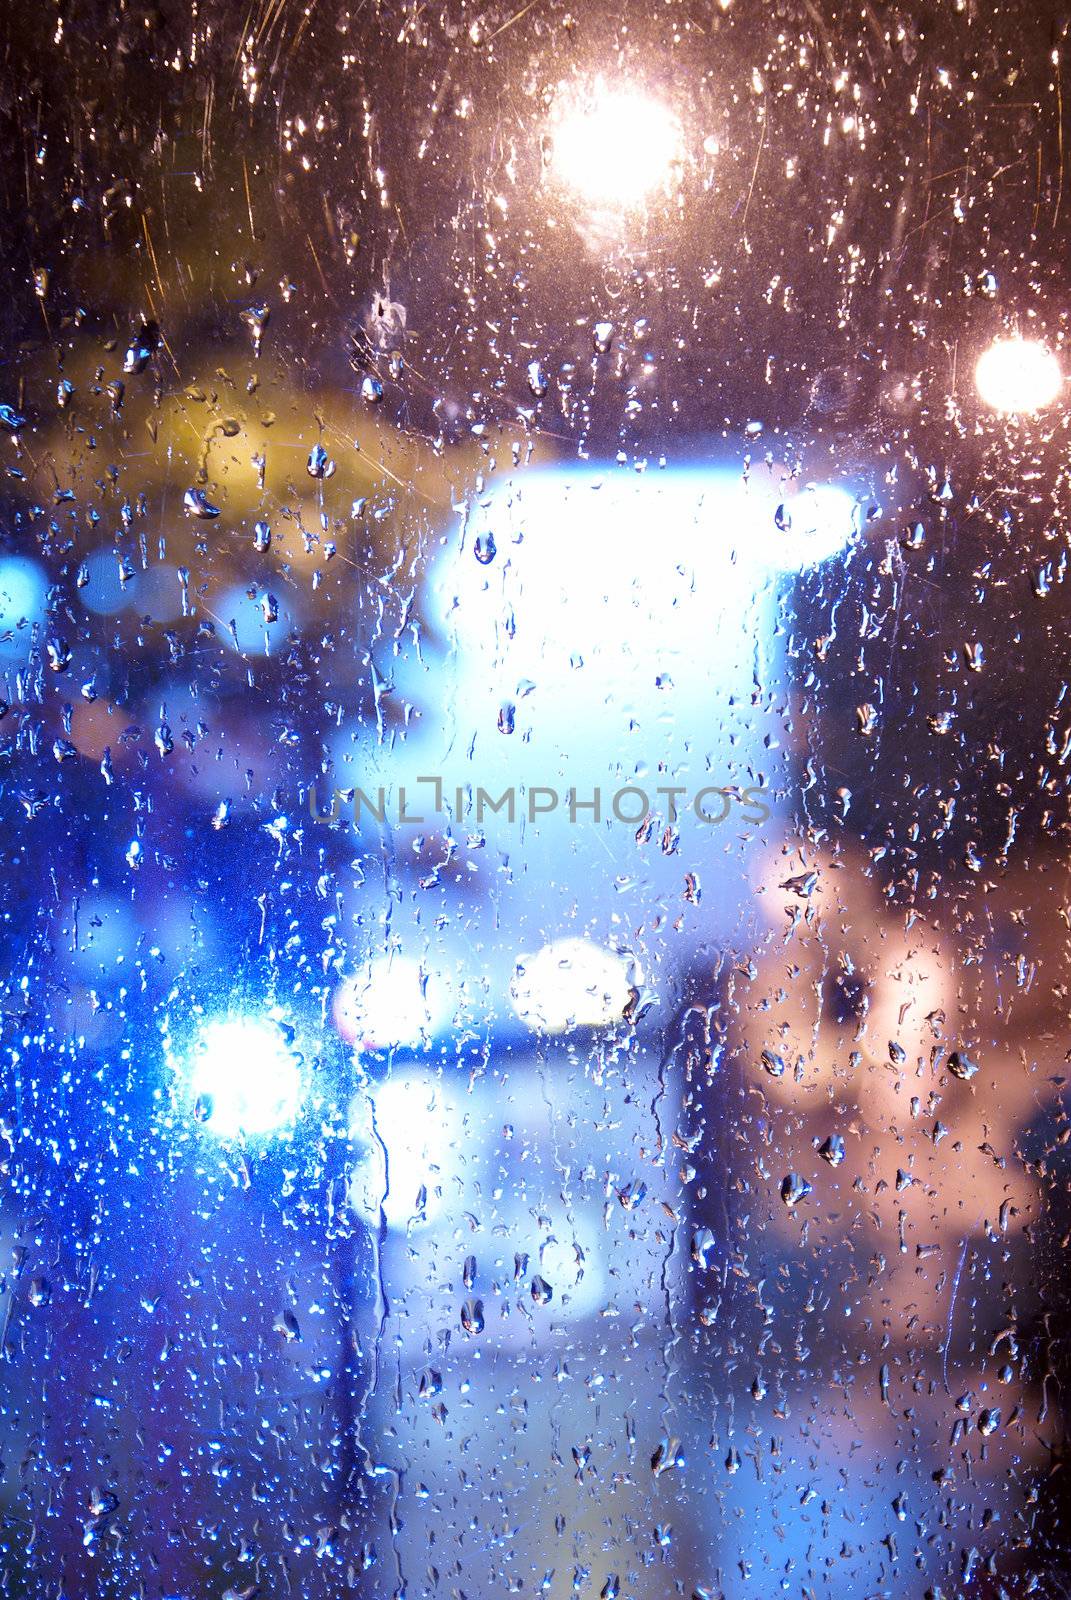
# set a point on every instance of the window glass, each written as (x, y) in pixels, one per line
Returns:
(534, 736)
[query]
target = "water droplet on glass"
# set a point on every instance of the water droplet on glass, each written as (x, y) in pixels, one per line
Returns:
(961, 1066)
(287, 1324)
(472, 1317)
(256, 319)
(794, 1188)
(666, 1456)
(319, 464)
(702, 1246)
(832, 1149)
(198, 505)
(542, 1293)
(773, 1063)
(141, 349)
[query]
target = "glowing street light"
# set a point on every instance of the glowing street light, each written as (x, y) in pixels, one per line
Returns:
(613, 146)
(1018, 376)
(243, 1078)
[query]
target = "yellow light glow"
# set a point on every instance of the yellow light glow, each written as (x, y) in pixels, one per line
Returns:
(1018, 375)
(614, 146)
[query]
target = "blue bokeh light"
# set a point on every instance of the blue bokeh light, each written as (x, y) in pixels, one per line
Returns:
(23, 597)
(243, 1078)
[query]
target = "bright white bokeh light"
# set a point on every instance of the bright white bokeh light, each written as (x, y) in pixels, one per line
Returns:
(571, 983)
(244, 1079)
(614, 146)
(424, 1123)
(621, 613)
(387, 1006)
(1018, 375)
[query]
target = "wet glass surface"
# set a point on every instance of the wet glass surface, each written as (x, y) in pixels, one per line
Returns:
(534, 750)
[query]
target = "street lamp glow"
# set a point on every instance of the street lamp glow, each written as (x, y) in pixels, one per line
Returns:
(1018, 375)
(614, 146)
(243, 1078)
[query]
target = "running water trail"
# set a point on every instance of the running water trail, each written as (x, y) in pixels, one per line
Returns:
(379, 1469)
(952, 1310)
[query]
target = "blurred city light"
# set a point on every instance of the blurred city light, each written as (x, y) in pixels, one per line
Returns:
(622, 622)
(244, 1078)
(103, 590)
(424, 1123)
(154, 590)
(569, 621)
(444, 1137)
(23, 592)
(613, 146)
(253, 622)
(387, 1006)
(1018, 375)
(571, 983)
(569, 624)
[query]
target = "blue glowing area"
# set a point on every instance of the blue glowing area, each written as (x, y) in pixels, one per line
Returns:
(594, 632)
(109, 585)
(106, 929)
(427, 1142)
(23, 599)
(623, 618)
(417, 1132)
(251, 621)
(241, 1078)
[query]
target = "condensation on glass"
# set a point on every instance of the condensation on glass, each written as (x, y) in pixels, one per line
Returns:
(534, 774)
